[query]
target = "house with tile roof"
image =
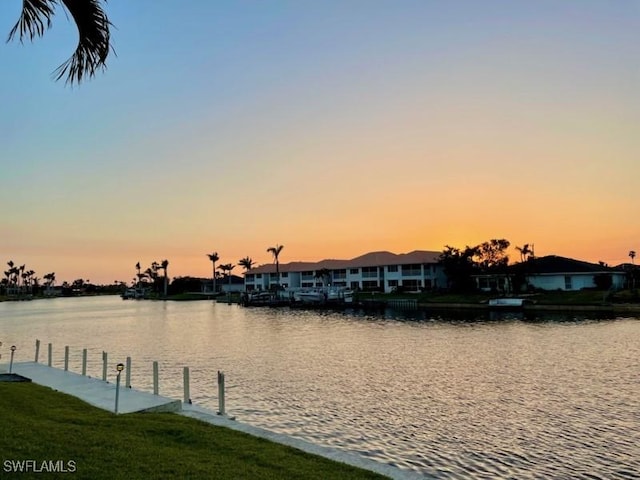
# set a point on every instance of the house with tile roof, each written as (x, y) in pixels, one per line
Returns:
(374, 271)
(553, 272)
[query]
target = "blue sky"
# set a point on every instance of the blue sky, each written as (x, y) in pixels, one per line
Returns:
(334, 128)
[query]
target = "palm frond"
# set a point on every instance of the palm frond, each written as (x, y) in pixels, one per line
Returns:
(34, 19)
(93, 41)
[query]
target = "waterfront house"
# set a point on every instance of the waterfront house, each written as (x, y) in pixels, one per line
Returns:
(375, 271)
(553, 272)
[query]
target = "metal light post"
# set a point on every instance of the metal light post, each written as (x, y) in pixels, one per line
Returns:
(13, 350)
(119, 368)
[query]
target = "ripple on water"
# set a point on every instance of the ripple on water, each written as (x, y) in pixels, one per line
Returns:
(450, 398)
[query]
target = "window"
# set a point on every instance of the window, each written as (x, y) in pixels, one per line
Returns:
(567, 282)
(392, 283)
(392, 268)
(284, 274)
(355, 285)
(273, 276)
(340, 274)
(354, 271)
(412, 270)
(411, 285)
(249, 277)
(370, 285)
(370, 272)
(258, 275)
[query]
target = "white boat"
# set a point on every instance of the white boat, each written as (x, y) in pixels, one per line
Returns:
(323, 295)
(507, 302)
(136, 293)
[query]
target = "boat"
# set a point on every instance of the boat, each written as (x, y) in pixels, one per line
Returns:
(508, 302)
(135, 293)
(323, 295)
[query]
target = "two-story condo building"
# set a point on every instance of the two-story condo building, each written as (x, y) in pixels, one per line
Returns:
(375, 271)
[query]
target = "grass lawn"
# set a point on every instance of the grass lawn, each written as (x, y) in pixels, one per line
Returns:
(40, 424)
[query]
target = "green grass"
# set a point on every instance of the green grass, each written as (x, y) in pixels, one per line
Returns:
(40, 424)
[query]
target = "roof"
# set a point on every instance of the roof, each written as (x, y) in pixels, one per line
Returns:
(371, 259)
(553, 264)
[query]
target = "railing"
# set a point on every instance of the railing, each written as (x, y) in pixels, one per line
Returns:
(156, 376)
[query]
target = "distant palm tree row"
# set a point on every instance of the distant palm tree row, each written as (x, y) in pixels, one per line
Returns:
(18, 280)
(150, 275)
(247, 263)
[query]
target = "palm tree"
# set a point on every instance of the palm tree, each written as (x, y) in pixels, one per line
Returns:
(163, 265)
(246, 263)
(323, 274)
(226, 268)
(214, 258)
(275, 251)
(50, 280)
(632, 255)
(525, 252)
(94, 42)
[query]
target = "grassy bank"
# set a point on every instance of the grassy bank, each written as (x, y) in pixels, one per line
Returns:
(560, 298)
(40, 424)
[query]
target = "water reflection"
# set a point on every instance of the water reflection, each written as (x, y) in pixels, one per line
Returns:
(448, 394)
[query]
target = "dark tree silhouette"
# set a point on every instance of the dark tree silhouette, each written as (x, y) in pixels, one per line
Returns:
(94, 37)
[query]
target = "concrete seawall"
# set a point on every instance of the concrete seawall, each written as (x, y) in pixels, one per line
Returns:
(101, 394)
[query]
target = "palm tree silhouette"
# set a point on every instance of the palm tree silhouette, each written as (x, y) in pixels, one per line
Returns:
(275, 251)
(632, 255)
(94, 37)
(214, 258)
(323, 274)
(246, 263)
(163, 265)
(525, 252)
(226, 268)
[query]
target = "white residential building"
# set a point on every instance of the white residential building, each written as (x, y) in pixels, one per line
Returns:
(376, 271)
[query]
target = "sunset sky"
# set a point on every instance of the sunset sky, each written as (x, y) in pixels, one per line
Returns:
(334, 128)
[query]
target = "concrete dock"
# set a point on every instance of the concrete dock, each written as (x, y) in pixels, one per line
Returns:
(94, 391)
(101, 394)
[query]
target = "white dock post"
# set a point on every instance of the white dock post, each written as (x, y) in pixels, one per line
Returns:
(104, 366)
(155, 378)
(84, 361)
(66, 358)
(221, 393)
(50, 355)
(37, 349)
(187, 396)
(128, 374)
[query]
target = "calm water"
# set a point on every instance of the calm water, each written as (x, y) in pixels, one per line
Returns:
(447, 397)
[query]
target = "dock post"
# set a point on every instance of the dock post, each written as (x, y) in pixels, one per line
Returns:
(13, 350)
(155, 378)
(104, 366)
(84, 361)
(128, 374)
(185, 375)
(50, 360)
(66, 358)
(37, 349)
(221, 393)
